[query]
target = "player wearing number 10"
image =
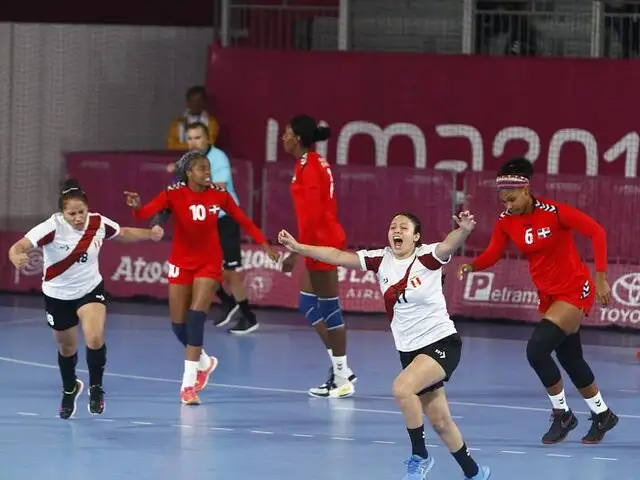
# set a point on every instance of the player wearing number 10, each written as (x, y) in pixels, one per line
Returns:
(543, 231)
(196, 260)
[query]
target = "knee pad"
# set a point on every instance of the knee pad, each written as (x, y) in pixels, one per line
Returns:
(180, 331)
(195, 328)
(331, 312)
(570, 356)
(545, 339)
(308, 306)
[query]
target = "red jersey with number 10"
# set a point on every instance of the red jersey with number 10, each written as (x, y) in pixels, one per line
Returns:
(314, 201)
(195, 215)
(545, 238)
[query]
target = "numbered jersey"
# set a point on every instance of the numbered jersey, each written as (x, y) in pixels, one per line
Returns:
(70, 256)
(413, 296)
(314, 201)
(195, 242)
(545, 238)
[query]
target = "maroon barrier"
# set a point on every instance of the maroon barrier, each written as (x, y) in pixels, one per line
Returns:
(503, 291)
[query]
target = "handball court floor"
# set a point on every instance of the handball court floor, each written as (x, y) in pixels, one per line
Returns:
(257, 422)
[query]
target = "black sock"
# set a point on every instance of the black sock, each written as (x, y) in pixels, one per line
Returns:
(244, 307)
(96, 360)
(67, 366)
(180, 331)
(417, 441)
(224, 297)
(468, 464)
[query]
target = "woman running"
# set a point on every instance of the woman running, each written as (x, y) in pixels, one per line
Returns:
(195, 270)
(73, 288)
(316, 210)
(543, 231)
(410, 278)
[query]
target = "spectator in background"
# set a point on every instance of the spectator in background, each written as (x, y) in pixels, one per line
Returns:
(496, 18)
(624, 19)
(195, 113)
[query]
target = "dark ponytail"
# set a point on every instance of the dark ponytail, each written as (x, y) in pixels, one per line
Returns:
(321, 133)
(71, 190)
(308, 130)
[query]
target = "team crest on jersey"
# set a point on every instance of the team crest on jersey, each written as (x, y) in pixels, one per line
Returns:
(544, 232)
(214, 209)
(415, 282)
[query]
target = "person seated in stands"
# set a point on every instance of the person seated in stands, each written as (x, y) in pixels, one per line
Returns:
(195, 113)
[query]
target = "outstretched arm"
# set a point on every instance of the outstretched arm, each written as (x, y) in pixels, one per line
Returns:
(329, 255)
(466, 223)
(130, 234)
(493, 252)
(159, 203)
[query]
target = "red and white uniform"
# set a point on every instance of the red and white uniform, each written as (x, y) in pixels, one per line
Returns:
(545, 238)
(195, 249)
(71, 269)
(316, 208)
(413, 296)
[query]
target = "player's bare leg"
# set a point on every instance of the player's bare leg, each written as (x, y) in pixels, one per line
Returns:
(196, 359)
(67, 341)
(332, 330)
(92, 319)
(436, 407)
(247, 322)
(559, 331)
(180, 297)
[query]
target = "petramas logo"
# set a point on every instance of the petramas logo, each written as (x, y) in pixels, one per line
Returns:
(479, 287)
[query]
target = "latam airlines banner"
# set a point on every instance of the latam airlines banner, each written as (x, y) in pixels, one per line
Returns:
(574, 116)
(505, 291)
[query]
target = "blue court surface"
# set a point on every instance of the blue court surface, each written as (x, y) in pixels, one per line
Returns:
(257, 422)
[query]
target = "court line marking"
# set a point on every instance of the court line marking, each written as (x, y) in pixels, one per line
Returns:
(297, 392)
(302, 435)
(23, 321)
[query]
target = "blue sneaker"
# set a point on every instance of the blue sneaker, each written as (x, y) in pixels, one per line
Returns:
(418, 467)
(483, 474)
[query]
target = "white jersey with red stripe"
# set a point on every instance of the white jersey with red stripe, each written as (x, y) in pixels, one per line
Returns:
(58, 239)
(413, 295)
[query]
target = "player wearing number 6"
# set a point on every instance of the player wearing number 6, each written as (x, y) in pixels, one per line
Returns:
(73, 289)
(543, 231)
(196, 260)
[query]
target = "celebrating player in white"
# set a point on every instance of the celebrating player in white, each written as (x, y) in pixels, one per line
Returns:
(410, 278)
(73, 287)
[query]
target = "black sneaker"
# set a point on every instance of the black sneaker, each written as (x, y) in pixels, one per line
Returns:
(600, 424)
(246, 324)
(561, 424)
(229, 311)
(96, 400)
(69, 399)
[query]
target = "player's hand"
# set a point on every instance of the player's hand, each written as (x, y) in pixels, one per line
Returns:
(463, 270)
(132, 199)
(271, 253)
(19, 260)
(171, 168)
(603, 290)
(286, 240)
(157, 233)
(466, 221)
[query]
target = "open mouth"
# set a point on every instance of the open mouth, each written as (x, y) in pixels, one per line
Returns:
(397, 241)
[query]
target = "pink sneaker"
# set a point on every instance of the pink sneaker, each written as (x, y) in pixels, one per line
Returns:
(203, 375)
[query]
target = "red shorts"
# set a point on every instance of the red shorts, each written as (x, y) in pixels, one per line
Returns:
(581, 297)
(182, 276)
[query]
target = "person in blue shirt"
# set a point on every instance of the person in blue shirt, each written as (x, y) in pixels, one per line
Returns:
(229, 231)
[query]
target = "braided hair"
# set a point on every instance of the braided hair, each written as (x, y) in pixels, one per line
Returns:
(185, 163)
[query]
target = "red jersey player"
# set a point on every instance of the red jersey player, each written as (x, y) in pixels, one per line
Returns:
(314, 200)
(195, 270)
(543, 231)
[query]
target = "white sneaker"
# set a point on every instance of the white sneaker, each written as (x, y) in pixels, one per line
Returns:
(335, 387)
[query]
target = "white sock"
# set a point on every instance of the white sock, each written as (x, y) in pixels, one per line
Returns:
(190, 374)
(205, 361)
(559, 402)
(596, 404)
(330, 352)
(340, 367)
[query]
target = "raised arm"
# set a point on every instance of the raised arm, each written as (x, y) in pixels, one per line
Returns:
(329, 255)
(159, 203)
(453, 241)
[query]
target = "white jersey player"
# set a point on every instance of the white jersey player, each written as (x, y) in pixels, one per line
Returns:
(410, 278)
(73, 287)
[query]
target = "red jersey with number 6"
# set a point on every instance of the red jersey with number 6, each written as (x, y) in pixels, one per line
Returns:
(314, 201)
(545, 238)
(195, 241)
